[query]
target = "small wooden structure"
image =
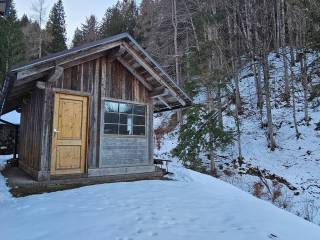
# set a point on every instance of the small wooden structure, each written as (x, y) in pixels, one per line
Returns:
(3, 7)
(9, 138)
(88, 111)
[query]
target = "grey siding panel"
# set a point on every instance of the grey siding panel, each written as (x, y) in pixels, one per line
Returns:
(121, 151)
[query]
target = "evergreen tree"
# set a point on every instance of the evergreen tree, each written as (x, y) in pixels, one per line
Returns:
(89, 32)
(12, 48)
(200, 135)
(56, 29)
(78, 38)
(120, 18)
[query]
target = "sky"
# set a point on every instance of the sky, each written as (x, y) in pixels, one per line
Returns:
(76, 11)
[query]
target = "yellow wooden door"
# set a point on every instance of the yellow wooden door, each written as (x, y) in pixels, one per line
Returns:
(69, 141)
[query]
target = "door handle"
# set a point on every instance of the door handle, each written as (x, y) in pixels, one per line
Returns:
(55, 130)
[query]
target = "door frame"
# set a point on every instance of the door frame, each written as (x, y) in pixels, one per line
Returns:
(71, 93)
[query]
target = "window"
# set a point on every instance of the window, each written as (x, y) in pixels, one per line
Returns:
(124, 118)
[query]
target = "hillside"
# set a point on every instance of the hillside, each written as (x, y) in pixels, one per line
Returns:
(191, 206)
(292, 170)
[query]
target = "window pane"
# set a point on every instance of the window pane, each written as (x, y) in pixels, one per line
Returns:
(139, 110)
(125, 108)
(138, 130)
(111, 106)
(126, 119)
(111, 128)
(111, 117)
(125, 130)
(138, 120)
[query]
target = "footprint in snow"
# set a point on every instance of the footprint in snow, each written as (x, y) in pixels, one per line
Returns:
(272, 236)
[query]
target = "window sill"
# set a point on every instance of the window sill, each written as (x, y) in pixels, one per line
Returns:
(124, 136)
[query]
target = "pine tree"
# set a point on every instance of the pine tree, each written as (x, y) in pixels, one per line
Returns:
(122, 17)
(12, 48)
(78, 38)
(89, 32)
(200, 134)
(56, 29)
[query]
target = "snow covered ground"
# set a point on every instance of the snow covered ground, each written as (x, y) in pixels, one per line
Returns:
(297, 161)
(192, 206)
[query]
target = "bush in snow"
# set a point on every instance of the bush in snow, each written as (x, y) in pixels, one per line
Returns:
(200, 136)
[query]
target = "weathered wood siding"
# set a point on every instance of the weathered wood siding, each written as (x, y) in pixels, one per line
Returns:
(103, 79)
(98, 79)
(30, 132)
(122, 151)
(123, 85)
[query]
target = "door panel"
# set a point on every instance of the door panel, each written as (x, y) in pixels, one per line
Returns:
(69, 134)
(70, 115)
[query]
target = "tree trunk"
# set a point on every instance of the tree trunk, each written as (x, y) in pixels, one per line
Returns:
(286, 95)
(294, 103)
(238, 124)
(211, 153)
(304, 76)
(219, 106)
(266, 74)
(176, 53)
(192, 26)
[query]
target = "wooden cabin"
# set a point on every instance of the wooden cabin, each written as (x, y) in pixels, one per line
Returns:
(3, 7)
(88, 111)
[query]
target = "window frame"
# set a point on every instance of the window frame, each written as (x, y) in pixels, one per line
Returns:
(119, 101)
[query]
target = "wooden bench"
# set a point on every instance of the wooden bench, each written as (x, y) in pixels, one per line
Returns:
(161, 163)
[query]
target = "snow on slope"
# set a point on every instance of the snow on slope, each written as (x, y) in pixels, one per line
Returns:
(193, 206)
(297, 161)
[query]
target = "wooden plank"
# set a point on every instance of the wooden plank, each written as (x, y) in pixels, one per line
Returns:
(86, 59)
(41, 85)
(105, 77)
(150, 131)
(93, 116)
(160, 93)
(135, 73)
(164, 102)
(67, 79)
(81, 78)
(123, 85)
(58, 72)
(75, 83)
(152, 72)
(85, 77)
(46, 126)
(32, 69)
(108, 79)
(88, 53)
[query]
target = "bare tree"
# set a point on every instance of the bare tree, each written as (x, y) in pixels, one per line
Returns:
(40, 10)
(282, 23)
(176, 52)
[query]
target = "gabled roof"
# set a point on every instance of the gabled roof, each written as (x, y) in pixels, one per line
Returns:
(167, 94)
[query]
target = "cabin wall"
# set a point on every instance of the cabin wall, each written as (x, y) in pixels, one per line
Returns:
(124, 151)
(30, 133)
(102, 79)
